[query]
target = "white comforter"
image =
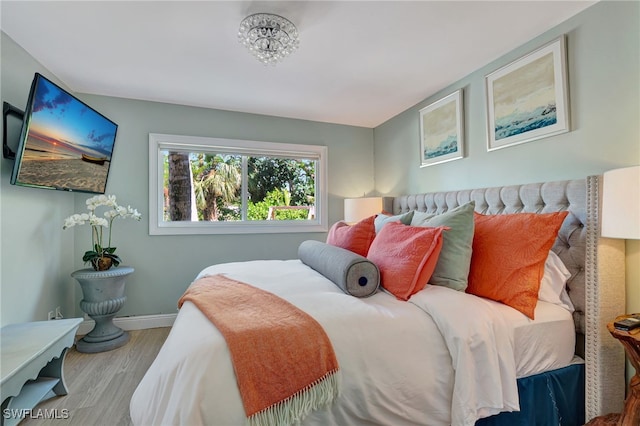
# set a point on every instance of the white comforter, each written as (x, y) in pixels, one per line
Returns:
(396, 367)
(481, 349)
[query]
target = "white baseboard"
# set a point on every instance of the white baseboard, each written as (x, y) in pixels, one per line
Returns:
(141, 322)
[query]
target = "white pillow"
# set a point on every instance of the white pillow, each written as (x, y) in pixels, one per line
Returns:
(553, 285)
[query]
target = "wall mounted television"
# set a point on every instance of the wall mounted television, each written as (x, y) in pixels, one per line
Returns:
(64, 143)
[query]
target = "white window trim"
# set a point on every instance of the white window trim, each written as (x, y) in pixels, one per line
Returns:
(162, 142)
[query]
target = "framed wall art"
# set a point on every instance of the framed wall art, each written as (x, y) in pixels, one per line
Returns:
(528, 98)
(441, 130)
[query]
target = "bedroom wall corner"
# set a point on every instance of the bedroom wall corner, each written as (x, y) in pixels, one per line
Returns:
(36, 255)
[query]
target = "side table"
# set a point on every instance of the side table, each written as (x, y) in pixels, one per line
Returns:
(631, 341)
(32, 364)
(630, 415)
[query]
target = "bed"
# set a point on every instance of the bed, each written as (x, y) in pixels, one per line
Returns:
(401, 362)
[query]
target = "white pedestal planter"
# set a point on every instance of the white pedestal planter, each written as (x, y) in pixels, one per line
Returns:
(103, 296)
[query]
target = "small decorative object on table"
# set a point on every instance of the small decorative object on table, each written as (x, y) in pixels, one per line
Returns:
(101, 257)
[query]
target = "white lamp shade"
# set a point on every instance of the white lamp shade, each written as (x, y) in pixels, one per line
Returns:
(356, 209)
(621, 203)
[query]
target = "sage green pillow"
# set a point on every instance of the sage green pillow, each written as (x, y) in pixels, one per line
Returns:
(452, 269)
(383, 219)
(420, 217)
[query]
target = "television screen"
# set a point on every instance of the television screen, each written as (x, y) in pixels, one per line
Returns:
(64, 144)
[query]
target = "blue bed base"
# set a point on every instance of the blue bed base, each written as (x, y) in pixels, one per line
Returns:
(552, 398)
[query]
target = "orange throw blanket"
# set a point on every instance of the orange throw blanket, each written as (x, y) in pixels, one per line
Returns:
(283, 360)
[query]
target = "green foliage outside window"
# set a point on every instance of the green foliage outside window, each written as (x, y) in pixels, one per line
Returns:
(260, 210)
(271, 181)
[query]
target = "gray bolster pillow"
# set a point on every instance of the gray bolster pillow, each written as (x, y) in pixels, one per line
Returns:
(354, 274)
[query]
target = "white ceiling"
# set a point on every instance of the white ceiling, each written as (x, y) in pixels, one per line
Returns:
(359, 62)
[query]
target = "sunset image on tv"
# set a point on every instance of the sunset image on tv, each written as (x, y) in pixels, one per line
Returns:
(67, 145)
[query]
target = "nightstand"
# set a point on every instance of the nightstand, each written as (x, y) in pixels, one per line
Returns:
(631, 414)
(631, 341)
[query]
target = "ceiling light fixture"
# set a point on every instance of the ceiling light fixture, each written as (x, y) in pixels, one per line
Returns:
(270, 38)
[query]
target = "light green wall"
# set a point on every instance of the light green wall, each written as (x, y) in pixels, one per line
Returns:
(603, 45)
(36, 256)
(165, 265)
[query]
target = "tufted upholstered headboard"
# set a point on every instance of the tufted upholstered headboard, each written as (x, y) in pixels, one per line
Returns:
(596, 285)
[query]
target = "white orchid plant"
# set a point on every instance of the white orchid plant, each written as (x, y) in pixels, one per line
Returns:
(100, 251)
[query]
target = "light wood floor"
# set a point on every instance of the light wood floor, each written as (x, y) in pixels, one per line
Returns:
(100, 385)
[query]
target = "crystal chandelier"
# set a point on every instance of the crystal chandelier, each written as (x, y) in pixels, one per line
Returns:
(270, 38)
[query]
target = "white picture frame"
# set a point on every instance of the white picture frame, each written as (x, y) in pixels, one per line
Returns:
(528, 99)
(442, 130)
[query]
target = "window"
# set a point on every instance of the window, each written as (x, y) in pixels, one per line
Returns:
(200, 185)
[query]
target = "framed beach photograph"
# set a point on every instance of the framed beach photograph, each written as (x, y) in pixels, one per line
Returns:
(441, 130)
(528, 98)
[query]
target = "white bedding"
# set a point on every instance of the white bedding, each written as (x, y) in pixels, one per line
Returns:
(481, 349)
(544, 344)
(396, 368)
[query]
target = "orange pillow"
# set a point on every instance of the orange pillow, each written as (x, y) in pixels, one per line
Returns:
(406, 257)
(356, 238)
(509, 252)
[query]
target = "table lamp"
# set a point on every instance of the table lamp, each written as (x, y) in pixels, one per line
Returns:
(356, 209)
(621, 219)
(621, 203)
